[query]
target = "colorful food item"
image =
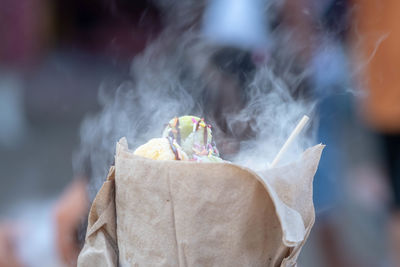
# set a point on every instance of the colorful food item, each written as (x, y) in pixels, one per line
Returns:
(161, 149)
(191, 132)
(180, 128)
(184, 138)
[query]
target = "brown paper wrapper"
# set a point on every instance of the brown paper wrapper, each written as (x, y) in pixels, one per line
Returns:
(177, 213)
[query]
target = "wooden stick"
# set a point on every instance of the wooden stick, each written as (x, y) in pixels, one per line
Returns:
(289, 141)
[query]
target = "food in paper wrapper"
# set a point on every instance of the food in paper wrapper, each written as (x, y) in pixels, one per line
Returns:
(156, 211)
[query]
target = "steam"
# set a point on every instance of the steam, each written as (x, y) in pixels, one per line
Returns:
(178, 76)
(273, 113)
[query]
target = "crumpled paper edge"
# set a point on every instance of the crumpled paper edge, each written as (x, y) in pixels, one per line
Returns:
(101, 232)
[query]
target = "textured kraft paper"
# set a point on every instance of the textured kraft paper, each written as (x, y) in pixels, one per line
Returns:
(177, 213)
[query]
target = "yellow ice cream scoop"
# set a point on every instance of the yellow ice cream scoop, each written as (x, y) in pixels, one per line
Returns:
(161, 149)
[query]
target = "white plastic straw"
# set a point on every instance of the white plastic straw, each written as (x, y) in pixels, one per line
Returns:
(289, 141)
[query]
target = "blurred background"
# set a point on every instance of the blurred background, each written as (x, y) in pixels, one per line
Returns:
(55, 55)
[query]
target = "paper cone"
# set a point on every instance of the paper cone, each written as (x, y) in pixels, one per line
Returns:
(180, 213)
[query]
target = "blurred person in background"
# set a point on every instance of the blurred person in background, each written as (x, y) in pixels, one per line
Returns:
(376, 45)
(328, 62)
(295, 45)
(318, 32)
